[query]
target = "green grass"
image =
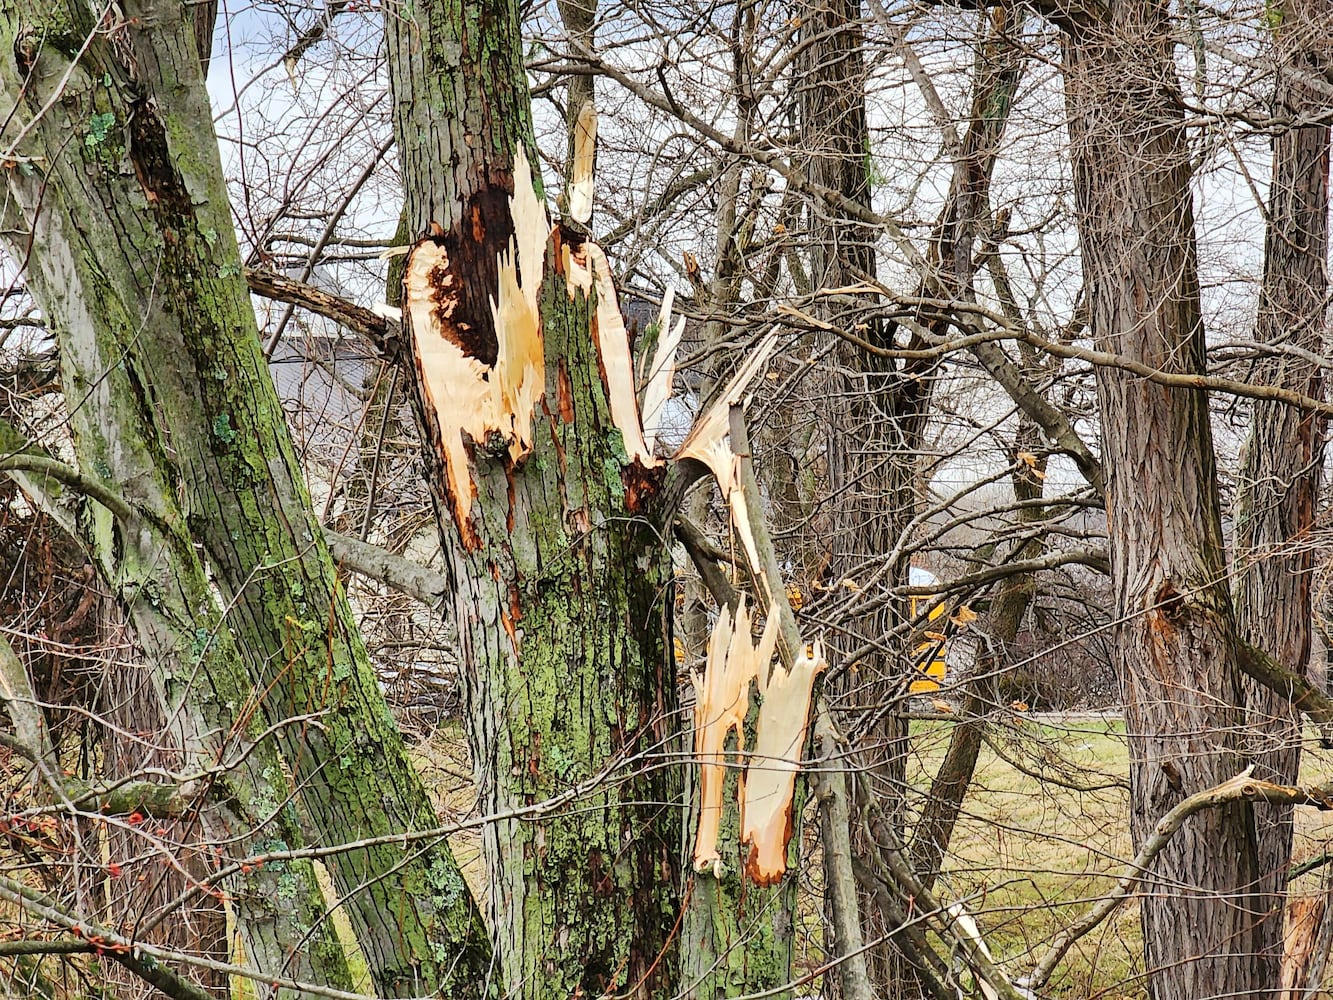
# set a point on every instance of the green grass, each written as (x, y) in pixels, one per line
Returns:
(1028, 856)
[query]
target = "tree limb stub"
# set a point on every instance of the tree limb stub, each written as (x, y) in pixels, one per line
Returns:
(366, 322)
(402, 574)
(1304, 696)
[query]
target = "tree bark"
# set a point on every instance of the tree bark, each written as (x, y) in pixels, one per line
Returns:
(874, 421)
(1176, 638)
(170, 394)
(560, 585)
(1278, 486)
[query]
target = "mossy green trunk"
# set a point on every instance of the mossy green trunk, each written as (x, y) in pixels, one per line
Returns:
(135, 261)
(561, 581)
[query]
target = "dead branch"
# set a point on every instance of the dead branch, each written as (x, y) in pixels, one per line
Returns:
(1303, 695)
(376, 330)
(404, 575)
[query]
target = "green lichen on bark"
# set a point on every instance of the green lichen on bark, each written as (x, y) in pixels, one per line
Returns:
(586, 894)
(211, 459)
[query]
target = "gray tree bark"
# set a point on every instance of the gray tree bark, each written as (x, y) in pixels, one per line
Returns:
(1176, 639)
(1279, 479)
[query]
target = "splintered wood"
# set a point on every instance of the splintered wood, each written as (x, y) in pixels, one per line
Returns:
(721, 701)
(481, 376)
(709, 442)
(769, 783)
(588, 271)
(662, 372)
(581, 167)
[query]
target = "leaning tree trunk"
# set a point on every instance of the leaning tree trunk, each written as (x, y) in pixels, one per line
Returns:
(544, 493)
(1279, 478)
(134, 259)
(1176, 636)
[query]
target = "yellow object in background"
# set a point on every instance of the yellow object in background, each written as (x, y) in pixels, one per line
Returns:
(931, 659)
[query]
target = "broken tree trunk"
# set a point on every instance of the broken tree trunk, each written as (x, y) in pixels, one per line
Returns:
(545, 496)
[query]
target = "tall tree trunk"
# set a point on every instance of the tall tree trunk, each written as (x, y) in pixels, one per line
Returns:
(1176, 638)
(874, 422)
(561, 582)
(134, 259)
(1279, 478)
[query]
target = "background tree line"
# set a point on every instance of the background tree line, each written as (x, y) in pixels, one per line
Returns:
(371, 650)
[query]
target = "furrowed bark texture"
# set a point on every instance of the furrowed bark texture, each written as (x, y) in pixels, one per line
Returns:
(1279, 480)
(559, 581)
(133, 216)
(1176, 639)
(873, 425)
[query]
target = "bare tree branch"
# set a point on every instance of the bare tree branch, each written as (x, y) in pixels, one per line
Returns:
(369, 324)
(1240, 787)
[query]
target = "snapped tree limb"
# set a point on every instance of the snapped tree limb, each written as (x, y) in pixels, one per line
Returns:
(721, 702)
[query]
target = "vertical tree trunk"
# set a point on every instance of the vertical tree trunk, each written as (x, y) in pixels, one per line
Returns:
(561, 582)
(170, 390)
(874, 422)
(1176, 636)
(1279, 478)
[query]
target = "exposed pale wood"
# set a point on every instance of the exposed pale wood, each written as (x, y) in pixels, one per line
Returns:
(1305, 917)
(662, 371)
(581, 165)
(769, 782)
(709, 442)
(721, 702)
(471, 402)
(588, 271)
